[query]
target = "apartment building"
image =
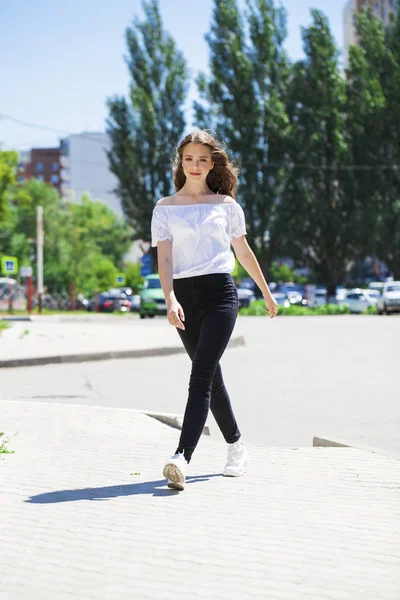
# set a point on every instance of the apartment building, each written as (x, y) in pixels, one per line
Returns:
(380, 8)
(42, 164)
(85, 169)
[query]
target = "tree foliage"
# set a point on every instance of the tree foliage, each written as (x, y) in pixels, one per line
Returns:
(144, 130)
(83, 242)
(8, 163)
(373, 129)
(315, 209)
(244, 101)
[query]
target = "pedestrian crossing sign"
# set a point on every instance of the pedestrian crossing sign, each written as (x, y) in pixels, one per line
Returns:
(9, 265)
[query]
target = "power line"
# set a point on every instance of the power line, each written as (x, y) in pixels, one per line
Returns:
(270, 165)
(46, 128)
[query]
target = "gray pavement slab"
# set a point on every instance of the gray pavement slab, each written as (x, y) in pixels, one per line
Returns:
(54, 340)
(296, 378)
(85, 513)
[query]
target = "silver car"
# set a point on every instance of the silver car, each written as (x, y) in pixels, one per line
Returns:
(358, 300)
(389, 300)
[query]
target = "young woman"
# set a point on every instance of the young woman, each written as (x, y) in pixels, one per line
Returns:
(193, 231)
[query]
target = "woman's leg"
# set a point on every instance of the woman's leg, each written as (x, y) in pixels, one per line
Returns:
(215, 330)
(221, 408)
(220, 403)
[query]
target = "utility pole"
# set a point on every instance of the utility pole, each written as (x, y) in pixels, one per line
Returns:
(40, 244)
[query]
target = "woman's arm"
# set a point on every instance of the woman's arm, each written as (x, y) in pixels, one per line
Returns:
(247, 259)
(165, 270)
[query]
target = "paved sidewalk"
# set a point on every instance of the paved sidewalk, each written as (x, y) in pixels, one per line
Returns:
(50, 340)
(86, 514)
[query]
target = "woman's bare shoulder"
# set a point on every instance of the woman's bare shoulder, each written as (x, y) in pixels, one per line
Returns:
(167, 201)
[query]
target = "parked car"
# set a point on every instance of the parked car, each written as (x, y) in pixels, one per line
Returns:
(317, 297)
(110, 301)
(152, 301)
(246, 297)
(249, 284)
(341, 293)
(358, 300)
(281, 299)
(7, 285)
(296, 298)
(135, 303)
(389, 300)
(122, 290)
(376, 285)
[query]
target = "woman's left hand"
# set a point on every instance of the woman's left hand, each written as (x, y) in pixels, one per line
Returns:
(271, 306)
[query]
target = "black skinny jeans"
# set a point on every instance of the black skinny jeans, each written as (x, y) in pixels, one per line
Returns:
(210, 304)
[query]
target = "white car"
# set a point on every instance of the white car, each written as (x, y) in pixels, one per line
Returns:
(376, 285)
(359, 300)
(389, 300)
(245, 296)
(317, 297)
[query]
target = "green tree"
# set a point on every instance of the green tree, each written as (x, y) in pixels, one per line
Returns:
(84, 242)
(8, 165)
(95, 221)
(316, 214)
(373, 127)
(244, 100)
(133, 276)
(144, 130)
(95, 273)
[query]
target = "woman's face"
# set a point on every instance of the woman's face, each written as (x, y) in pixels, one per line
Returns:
(196, 161)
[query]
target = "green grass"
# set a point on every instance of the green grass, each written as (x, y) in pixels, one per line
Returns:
(3, 325)
(257, 309)
(3, 448)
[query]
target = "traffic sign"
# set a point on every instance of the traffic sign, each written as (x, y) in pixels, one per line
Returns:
(121, 279)
(146, 259)
(146, 270)
(25, 271)
(9, 265)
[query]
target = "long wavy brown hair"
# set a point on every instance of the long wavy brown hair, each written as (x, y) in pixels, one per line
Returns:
(223, 177)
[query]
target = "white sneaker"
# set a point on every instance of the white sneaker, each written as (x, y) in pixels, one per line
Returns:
(237, 459)
(175, 471)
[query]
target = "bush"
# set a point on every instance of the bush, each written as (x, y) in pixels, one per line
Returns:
(257, 309)
(371, 310)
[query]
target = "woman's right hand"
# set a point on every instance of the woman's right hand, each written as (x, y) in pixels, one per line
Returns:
(175, 313)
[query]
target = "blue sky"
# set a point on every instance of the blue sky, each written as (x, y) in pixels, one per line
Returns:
(61, 60)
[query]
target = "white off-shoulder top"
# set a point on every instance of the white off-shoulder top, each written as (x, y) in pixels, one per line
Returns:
(200, 234)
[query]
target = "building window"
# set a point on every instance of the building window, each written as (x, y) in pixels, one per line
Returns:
(377, 6)
(39, 167)
(54, 179)
(54, 166)
(40, 177)
(20, 179)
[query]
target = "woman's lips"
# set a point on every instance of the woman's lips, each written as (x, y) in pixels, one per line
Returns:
(195, 173)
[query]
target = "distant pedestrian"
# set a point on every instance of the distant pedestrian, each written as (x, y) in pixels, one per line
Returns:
(193, 231)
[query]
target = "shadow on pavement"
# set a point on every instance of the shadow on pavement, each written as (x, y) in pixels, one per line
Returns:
(156, 488)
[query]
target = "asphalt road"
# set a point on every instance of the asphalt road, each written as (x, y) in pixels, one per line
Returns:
(297, 377)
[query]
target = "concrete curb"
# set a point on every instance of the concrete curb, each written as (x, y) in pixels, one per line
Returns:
(328, 442)
(172, 420)
(16, 319)
(113, 354)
